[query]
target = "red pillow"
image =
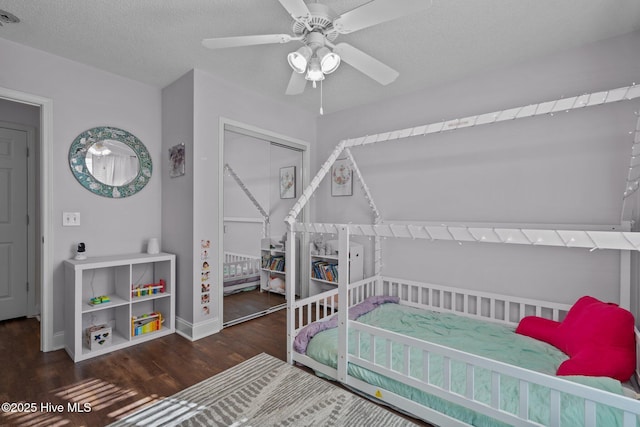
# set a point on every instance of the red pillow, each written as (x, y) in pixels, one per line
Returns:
(539, 328)
(598, 337)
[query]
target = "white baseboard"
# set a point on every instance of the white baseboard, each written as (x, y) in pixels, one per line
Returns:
(58, 341)
(184, 328)
(194, 332)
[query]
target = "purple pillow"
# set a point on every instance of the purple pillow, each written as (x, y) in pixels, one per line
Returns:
(309, 331)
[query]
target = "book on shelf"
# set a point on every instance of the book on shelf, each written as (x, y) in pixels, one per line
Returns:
(274, 263)
(325, 271)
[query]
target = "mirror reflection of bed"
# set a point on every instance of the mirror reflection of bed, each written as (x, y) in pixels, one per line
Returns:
(254, 224)
(243, 296)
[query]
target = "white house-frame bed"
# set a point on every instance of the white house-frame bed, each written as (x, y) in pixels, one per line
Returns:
(508, 310)
(242, 271)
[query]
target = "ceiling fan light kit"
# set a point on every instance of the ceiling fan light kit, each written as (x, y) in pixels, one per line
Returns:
(329, 61)
(299, 59)
(314, 72)
(314, 52)
(316, 26)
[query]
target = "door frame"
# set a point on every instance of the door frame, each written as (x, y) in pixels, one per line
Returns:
(45, 143)
(226, 124)
(30, 132)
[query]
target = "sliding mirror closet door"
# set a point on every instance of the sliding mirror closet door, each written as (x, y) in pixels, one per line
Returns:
(262, 180)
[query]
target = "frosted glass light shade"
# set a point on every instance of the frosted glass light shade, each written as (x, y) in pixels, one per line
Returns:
(329, 61)
(298, 60)
(314, 73)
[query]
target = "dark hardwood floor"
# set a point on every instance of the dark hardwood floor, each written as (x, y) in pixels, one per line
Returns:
(119, 383)
(246, 303)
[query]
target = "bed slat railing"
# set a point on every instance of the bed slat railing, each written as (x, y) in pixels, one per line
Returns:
(233, 257)
(475, 304)
(482, 305)
(469, 392)
(555, 409)
(446, 374)
(590, 413)
(240, 267)
(630, 419)
(325, 305)
(524, 397)
(401, 370)
(495, 390)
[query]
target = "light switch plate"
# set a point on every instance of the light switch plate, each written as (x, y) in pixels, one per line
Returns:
(70, 219)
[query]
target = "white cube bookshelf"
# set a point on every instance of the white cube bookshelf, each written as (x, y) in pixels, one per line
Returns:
(116, 277)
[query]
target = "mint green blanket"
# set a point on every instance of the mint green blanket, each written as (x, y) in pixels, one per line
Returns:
(486, 339)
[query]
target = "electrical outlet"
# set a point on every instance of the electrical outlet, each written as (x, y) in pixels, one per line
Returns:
(70, 219)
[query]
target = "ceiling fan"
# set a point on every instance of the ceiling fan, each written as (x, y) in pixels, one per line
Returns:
(316, 26)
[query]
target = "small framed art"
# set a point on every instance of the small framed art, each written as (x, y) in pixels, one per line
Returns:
(288, 182)
(341, 178)
(176, 161)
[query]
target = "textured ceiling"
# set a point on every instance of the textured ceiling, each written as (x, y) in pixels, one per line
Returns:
(157, 41)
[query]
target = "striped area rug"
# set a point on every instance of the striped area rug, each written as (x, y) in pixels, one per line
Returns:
(264, 391)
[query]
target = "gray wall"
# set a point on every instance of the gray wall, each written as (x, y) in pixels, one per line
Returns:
(569, 168)
(16, 112)
(177, 193)
(84, 97)
(212, 99)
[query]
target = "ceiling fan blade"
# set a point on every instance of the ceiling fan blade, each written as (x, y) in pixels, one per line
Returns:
(225, 42)
(376, 12)
(297, 83)
(366, 64)
(297, 9)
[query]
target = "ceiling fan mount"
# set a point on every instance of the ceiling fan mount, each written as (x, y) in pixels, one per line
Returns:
(320, 19)
(316, 26)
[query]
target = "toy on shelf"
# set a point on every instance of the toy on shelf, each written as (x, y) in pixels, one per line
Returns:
(98, 336)
(146, 323)
(148, 289)
(102, 299)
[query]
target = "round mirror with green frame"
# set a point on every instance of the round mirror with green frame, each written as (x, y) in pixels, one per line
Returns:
(110, 162)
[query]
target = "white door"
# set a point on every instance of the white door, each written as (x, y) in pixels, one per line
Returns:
(13, 223)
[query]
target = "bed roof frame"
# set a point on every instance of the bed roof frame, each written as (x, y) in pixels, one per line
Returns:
(615, 236)
(263, 213)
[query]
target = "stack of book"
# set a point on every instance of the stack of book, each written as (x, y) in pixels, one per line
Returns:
(274, 263)
(325, 271)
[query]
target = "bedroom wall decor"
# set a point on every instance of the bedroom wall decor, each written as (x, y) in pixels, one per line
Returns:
(341, 178)
(205, 280)
(288, 182)
(176, 160)
(110, 162)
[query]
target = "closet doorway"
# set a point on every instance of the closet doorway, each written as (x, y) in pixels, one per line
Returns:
(264, 174)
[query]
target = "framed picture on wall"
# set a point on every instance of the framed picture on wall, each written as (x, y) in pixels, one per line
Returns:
(288, 182)
(341, 178)
(176, 161)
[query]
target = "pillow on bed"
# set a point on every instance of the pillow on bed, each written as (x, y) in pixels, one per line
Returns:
(598, 337)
